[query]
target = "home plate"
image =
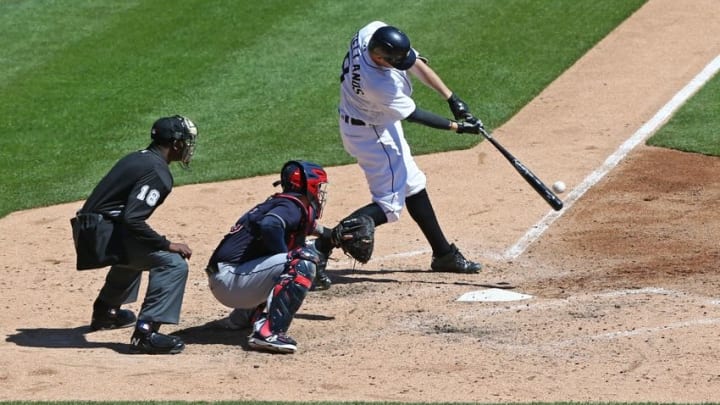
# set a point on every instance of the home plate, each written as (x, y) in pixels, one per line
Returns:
(493, 295)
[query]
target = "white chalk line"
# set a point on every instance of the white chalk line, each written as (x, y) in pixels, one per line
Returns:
(639, 136)
(561, 302)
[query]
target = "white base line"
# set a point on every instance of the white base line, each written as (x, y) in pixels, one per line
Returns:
(642, 134)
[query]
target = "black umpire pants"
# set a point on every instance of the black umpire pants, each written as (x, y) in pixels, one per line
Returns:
(168, 273)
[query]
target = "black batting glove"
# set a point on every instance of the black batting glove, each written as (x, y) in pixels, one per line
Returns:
(474, 120)
(458, 107)
(467, 127)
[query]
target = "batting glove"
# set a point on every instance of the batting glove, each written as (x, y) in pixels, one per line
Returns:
(467, 127)
(458, 107)
(474, 120)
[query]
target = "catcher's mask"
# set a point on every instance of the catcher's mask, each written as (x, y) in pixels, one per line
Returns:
(393, 46)
(306, 178)
(169, 130)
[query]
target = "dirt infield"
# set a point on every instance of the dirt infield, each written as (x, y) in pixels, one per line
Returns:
(625, 282)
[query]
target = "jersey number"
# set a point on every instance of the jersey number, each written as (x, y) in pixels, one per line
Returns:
(150, 197)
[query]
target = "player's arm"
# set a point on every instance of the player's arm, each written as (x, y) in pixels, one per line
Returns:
(272, 230)
(145, 197)
(276, 224)
(430, 119)
(427, 75)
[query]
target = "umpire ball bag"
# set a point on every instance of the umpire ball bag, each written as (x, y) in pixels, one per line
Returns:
(97, 241)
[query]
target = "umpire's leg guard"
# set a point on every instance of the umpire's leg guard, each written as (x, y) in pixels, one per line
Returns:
(288, 294)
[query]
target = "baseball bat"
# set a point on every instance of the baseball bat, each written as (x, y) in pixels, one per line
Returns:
(526, 174)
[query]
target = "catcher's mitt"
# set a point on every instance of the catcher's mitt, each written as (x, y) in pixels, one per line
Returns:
(356, 236)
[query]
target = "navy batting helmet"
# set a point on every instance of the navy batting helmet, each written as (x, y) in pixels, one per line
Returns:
(394, 47)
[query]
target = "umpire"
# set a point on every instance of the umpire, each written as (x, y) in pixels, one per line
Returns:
(111, 229)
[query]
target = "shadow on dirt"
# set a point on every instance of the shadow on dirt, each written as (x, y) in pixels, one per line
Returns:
(216, 332)
(61, 338)
(212, 334)
(350, 276)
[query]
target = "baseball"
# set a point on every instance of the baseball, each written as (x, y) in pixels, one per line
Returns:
(558, 187)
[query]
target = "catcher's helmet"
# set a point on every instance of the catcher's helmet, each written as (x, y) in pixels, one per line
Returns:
(176, 128)
(306, 178)
(394, 46)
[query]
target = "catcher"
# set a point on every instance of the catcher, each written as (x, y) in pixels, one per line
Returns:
(262, 268)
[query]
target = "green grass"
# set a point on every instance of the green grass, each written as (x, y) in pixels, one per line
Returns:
(696, 126)
(83, 80)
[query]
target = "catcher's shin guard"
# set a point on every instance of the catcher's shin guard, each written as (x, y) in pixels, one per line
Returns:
(290, 291)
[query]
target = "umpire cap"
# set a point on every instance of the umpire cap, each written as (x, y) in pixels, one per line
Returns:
(394, 46)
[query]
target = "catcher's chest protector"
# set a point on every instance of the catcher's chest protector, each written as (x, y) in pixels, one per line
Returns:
(294, 239)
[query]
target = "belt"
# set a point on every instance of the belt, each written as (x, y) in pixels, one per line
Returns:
(353, 121)
(211, 269)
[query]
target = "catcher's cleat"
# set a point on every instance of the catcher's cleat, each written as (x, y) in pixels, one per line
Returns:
(113, 318)
(454, 262)
(279, 343)
(261, 339)
(322, 280)
(142, 342)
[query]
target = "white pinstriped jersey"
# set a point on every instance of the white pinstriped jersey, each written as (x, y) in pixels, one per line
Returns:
(368, 92)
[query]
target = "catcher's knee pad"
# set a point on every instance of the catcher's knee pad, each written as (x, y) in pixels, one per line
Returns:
(292, 287)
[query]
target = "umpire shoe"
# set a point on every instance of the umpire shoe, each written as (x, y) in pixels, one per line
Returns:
(454, 262)
(113, 318)
(142, 342)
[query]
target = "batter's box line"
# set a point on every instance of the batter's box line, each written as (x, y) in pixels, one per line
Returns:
(555, 303)
(644, 132)
(636, 331)
(608, 336)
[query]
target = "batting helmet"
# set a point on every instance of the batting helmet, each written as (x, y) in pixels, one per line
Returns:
(176, 128)
(306, 178)
(394, 47)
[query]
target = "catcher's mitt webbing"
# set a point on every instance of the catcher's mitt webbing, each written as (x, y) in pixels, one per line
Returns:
(356, 237)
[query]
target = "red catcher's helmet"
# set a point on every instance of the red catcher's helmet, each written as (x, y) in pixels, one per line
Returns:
(306, 178)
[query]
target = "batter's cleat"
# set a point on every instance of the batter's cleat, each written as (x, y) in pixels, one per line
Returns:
(155, 343)
(277, 343)
(113, 318)
(454, 262)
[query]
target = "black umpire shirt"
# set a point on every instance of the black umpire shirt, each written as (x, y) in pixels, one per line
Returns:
(130, 193)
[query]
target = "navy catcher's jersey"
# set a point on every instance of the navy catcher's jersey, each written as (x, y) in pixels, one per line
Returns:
(244, 242)
(131, 191)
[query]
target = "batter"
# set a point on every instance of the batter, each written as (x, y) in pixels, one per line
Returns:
(375, 98)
